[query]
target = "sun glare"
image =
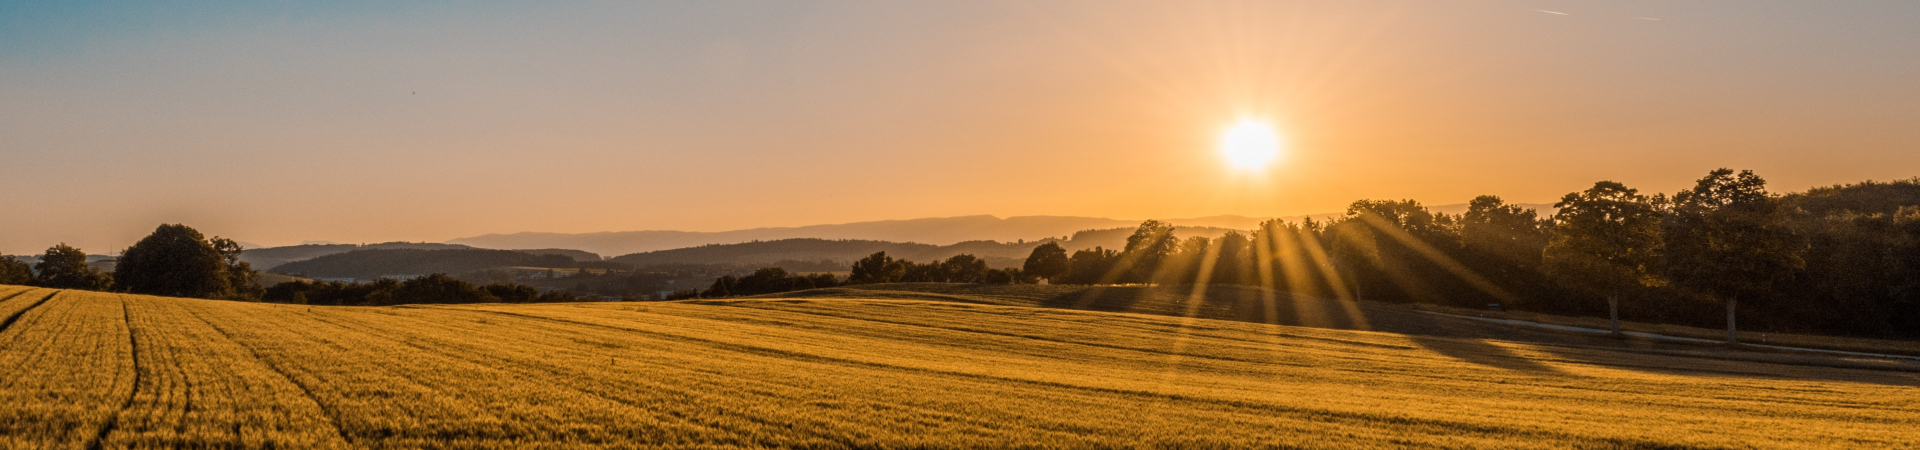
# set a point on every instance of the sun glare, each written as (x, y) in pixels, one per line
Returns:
(1250, 145)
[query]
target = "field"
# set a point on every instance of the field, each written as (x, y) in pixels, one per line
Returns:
(889, 369)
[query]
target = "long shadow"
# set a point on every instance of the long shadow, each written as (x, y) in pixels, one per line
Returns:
(1479, 351)
(1099, 298)
(1465, 339)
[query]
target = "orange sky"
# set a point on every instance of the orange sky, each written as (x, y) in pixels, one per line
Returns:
(370, 123)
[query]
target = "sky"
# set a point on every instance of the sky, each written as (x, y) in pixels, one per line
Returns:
(279, 122)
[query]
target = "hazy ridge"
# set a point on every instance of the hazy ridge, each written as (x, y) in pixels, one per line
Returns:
(939, 231)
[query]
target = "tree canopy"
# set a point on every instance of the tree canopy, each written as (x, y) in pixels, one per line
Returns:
(178, 261)
(65, 267)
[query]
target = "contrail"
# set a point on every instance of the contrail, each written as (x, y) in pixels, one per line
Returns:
(1553, 12)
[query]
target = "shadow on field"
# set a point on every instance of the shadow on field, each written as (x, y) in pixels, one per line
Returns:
(1483, 353)
(1459, 338)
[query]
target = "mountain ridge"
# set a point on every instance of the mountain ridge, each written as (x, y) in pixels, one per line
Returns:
(937, 231)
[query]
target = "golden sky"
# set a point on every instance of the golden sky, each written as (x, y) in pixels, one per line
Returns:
(365, 122)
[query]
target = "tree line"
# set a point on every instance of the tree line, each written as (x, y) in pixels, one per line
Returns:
(434, 288)
(1834, 260)
(875, 268)
(175, 261)
(1839, 260)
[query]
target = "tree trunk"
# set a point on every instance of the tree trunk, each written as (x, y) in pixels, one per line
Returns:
(1732, 336)
(1613, 312)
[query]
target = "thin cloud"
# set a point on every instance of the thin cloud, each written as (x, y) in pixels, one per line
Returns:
(1553, 12)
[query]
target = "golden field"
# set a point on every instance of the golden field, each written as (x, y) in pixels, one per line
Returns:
(97, 370)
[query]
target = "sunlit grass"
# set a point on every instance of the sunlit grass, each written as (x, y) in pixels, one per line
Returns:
(133, 371)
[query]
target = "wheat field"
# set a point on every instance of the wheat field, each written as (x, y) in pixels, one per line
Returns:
(98, 370)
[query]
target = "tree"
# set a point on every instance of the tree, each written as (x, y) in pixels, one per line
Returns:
(722, 287)
(964, 268)
(65, 267)
(1403, 246)
(1091, 266)
(440, 288)
(175, 261)
(766, 280)
(1047, 261)
(1232, 263)
(1729, 239)
(876, 268)
(14, 271)
(1506, 238)
(512, 292)
(1147, 248)
(240, 274)
(1606, 241)
(1281, 257)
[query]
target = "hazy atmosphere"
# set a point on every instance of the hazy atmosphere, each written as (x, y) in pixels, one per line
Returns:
(1515, 224)
(371, 122)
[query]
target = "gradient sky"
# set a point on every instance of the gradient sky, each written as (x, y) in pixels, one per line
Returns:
(277, 122)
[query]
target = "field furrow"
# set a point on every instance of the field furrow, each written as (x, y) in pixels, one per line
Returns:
(16, 302)
(150, 372)
(67, 369)
(199, 388)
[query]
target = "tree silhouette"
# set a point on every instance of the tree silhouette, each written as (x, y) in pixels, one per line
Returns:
(875, 268)
(964, 268)
(65, 267)
(1147, 248)
(1727, 238)
(1092, 266)
(1047, 261)
(14, 271)
(1504, 242)
(1231, 263)
(175, 261)
(1607, 241)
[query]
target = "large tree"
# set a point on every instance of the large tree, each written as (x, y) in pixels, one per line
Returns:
(1047, 261)
(876, 268)
(14, 271)
(65, 267)
(1508, 238)
(1606, 240)
(965, 268)
(1147, 248)
(1232, 261)
(1729, 239)
(178, 261)
(1092, 266)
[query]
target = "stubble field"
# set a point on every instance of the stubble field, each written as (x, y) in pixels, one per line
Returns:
(97, 370)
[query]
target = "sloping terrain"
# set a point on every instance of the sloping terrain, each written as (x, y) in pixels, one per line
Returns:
(95, 370)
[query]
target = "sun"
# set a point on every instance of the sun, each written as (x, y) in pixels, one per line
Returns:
(1250, 145)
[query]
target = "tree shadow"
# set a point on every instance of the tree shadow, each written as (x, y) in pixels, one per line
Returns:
(1101, 298)
(1481, 352)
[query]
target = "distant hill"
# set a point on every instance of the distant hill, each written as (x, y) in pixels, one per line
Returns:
(1866, 198)
(375, 263)
(935, 231)
(273, 257)
(845, 251)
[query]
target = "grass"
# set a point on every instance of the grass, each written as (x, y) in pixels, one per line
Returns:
(86, 370)
(1896, 347)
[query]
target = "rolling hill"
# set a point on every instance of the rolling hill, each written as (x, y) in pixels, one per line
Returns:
(272, 258)
(836, 370)
(935, 231)
(997, 254)
(376, 263)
